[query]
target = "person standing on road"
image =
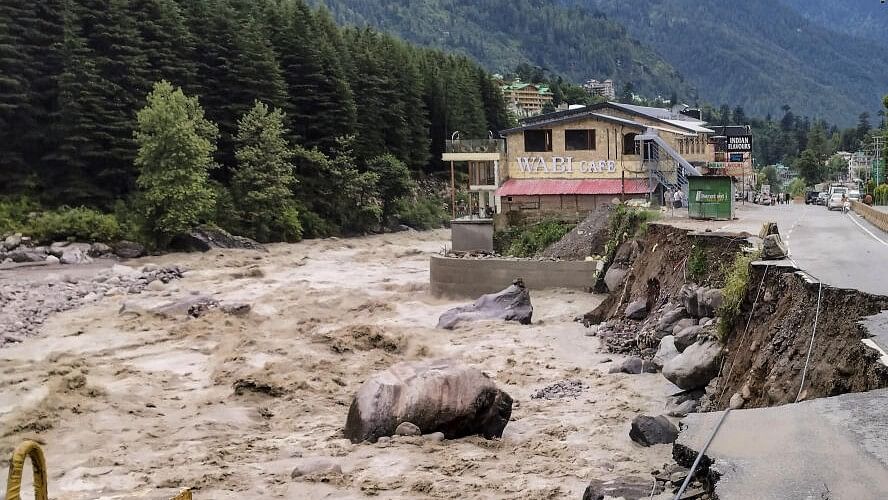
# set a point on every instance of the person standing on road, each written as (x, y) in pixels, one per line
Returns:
(676, 199)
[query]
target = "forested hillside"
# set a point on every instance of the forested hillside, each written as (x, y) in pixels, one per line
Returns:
(501, 34)
(759, 54)
(859, 18)
(361, 107)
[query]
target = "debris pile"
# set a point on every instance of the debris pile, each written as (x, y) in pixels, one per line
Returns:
(511, 304)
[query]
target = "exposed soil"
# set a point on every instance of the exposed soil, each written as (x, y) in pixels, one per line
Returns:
(657, 266)
(136, 404)
(766, 364)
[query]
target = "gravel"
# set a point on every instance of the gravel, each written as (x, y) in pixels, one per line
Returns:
(570, 389)
(25, 304)
(587, 239)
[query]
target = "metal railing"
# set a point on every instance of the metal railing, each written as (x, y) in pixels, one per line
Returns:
(475, 146)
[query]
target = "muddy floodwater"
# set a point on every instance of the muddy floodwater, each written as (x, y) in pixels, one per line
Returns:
(132, 404)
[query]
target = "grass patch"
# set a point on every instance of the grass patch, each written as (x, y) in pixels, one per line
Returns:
(697, 265)
(736, 287)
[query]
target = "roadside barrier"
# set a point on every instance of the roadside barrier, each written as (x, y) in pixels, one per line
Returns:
(873, 216)
(31, 449)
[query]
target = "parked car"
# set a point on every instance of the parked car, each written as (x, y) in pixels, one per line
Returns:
(765, 199)
(811, 197)
(822, 198)
(836, 201)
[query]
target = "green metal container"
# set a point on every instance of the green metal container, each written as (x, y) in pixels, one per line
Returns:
(711, 197)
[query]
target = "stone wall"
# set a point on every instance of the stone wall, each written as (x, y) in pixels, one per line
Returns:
(873, 216)
(454, 277)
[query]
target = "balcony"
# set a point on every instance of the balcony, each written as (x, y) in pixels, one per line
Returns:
(495, 146)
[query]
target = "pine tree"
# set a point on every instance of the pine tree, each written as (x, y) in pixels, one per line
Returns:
(262, 182)
(176, 145)
(166, 41)
(108, 29)
(31, 37)
(320, 105)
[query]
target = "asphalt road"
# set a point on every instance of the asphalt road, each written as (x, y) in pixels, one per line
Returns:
(827, 448)
(842, 250)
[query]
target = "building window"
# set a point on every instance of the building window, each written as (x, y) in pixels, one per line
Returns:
(579, 140)
(536, 141)
(630, 147)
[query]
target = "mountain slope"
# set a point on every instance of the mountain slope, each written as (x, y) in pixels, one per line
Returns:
(570, 41)
(759, 54)
(860, 18)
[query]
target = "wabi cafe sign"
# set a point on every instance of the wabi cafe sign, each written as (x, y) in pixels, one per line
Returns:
(563, 165)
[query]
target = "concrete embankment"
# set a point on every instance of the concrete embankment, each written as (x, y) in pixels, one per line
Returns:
(875, 217)
(467, 277)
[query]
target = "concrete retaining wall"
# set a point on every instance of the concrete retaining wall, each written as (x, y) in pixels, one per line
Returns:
(873, 216)
(466, 236)
(474, 277)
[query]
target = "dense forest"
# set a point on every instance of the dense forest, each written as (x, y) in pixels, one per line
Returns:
(354, 108)
(501, 34)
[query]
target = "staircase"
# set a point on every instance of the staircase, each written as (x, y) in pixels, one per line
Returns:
(663, 163)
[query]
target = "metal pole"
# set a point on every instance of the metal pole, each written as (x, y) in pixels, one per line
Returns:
(452, 190)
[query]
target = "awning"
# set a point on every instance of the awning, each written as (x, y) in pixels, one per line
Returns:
(542, 187)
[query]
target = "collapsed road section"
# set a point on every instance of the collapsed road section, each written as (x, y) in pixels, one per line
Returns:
(733, 331)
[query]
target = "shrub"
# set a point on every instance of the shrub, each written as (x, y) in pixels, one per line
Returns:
(79, 223)
(529, 240)
(422, 213)
(736, 284)
(14, 213)
(880, 195)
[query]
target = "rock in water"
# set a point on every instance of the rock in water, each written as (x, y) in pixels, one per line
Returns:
(648, 431)
(205, 237)
(12, 241)
(637, 309)
(511, 304)
(694, 367)
(98, 250)
(436, 396)
(128, 249)
(773, 248)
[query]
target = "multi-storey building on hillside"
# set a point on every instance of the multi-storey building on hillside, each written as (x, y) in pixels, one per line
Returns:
(604, 89)
(526, 99)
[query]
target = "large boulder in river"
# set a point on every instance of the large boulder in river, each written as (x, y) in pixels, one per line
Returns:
(204, 238)
(694, 367)
(436, 396)
(511, 304)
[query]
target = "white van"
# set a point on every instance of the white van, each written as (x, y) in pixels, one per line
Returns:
(837, 190)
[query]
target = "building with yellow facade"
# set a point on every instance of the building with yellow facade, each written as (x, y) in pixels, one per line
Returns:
(572, 162)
